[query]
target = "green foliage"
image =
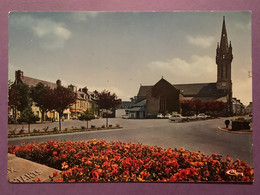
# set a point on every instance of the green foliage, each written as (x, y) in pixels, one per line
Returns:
(86, 116)
(24, 99)
(42, 96)
(28, 116)
(18, 96)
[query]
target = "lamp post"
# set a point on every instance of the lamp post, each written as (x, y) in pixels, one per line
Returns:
(76, 115)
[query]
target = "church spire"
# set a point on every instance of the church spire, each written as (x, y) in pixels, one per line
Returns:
(224, 39)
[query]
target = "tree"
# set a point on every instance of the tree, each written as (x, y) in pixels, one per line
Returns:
(42, 96)
(18, 97)
(23, 96)
(86, 116)
(62, 98)
(13, 98)
(106, 100)
(28, 116)
(186, 107)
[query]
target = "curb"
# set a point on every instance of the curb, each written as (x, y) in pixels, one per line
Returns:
(237, 132)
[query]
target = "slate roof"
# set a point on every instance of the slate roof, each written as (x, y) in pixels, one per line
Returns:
(202, 90)
(33, 82)
(140, 104)
(143, 90)
(125, 104)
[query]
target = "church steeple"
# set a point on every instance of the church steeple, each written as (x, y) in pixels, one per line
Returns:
(224, 39)
(224, 58)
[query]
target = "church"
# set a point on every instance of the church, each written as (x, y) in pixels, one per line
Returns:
(164, 97)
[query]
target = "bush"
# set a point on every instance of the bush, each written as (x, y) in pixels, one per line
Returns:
(21, 131)
(36, 131)
(12, 132)
(99, 161)
(45, 129)
(55, 129)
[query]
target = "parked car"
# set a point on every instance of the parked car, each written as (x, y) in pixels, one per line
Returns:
(193, 117)
(159, 115)
(168, 115)
(203, 116)
(125, 116)
(178, 118)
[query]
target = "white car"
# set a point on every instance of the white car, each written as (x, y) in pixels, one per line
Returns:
(168, 115)
(203, 116)
(178, 118)
(159, 116)
(125, 116)
(194, 117)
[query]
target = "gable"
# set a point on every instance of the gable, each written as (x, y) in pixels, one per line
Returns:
(164, 87)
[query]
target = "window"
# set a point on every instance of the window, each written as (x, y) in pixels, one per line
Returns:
(162, 103)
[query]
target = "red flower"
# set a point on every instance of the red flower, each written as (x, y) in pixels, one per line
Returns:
(64, 165)
(55, 173)
(228, 159)
(54, 153)
(59, 180)
(38, 179)
(63, 156)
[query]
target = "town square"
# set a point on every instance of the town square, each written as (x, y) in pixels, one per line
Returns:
(130, 97)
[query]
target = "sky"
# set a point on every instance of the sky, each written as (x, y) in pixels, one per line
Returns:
(119, 51)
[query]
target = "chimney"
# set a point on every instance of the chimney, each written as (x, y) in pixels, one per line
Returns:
(85, 90)
(18, 76)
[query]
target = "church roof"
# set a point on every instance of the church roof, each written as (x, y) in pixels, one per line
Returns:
(143, 90)
(33, 82)
(200, 89)
(193, 89)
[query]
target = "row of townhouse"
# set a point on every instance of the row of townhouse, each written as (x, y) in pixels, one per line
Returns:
(238, 107)
(84, 101)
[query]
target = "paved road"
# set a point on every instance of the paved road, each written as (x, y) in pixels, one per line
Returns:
(201, 136)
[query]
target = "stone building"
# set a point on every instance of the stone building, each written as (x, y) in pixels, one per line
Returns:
(158, 96)
(163, 98)
(83, 101)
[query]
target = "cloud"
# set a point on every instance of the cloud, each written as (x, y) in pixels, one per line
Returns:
(201, 41)
(51, 35)
(243, 26)
(197, 69)
(84, 16)
(121, 94)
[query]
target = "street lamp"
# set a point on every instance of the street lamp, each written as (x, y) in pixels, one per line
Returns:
(76, 116)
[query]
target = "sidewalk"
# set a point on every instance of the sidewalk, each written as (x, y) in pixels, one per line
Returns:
(21, 170)
(236, 131)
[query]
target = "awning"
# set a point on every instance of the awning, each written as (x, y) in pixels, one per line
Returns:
(77, 110)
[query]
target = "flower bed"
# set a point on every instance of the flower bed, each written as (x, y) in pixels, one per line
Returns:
(99, 161)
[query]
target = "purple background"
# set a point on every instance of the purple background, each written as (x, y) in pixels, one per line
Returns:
(120, 5)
